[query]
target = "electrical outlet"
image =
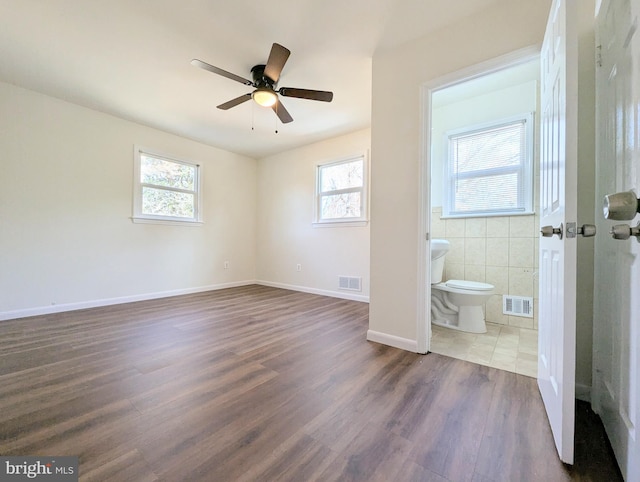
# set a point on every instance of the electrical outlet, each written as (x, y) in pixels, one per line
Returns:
(226, 265)
(298, 267)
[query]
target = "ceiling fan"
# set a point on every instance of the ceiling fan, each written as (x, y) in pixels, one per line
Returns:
(265, 79)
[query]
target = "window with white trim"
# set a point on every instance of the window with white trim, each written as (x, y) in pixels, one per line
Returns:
(165, 189)
(489, 169)
(341, 193)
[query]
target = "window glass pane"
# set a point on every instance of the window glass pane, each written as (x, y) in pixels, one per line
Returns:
(491, 193)
(167, 203)
(492, 148)
(341, 176)
(166, 173)
(338, 206)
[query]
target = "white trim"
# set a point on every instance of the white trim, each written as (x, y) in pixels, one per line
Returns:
(423, 311)
(490, 215)
(339, 224)
(392, 340)
(138, 216)
(82, 305)
(364, 192)
(168, 222)
(315, 291)
(497, 64)
(524, 169)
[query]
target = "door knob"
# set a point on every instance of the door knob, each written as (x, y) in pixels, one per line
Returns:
(586, 230)
(624, 231)
(621, 206)
(549, 231)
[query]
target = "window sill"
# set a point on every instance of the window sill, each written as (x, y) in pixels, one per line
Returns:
(487, 215)
(339, 224)
(167, 222)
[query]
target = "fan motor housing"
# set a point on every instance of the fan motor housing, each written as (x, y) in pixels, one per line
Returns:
(261, 80)
(265, 92)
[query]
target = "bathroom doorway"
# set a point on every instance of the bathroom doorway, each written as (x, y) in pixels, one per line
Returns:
(491, 240)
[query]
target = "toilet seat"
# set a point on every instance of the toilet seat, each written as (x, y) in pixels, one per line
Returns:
(468, 285)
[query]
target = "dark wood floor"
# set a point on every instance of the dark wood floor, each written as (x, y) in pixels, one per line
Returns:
(263, 384)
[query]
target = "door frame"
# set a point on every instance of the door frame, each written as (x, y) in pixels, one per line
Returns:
(423, 310)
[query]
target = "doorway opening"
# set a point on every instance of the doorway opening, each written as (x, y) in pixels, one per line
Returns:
(492, 239)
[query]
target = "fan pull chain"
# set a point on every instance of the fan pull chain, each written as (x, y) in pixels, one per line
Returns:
(277, 104)
(253, 110)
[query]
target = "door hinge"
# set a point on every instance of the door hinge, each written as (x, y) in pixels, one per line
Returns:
(599, 55)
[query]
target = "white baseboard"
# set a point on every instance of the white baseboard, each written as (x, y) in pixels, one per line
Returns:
(583, 392)
(315, 291)
(46, 310)
(392, 340)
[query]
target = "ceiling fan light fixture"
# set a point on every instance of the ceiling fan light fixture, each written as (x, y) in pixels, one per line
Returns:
(265, 78)
(264, 97)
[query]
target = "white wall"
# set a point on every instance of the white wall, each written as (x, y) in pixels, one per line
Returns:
(286, 236)
(398, 75)
(67, 240)
(500, 250)
(488, 107)
(395, 130)
(66, 236)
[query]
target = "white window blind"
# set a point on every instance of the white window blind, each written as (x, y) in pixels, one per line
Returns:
(489, 169)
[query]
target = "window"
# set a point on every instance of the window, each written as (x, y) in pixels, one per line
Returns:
(341, 191)
(165, 190)
(489, 169)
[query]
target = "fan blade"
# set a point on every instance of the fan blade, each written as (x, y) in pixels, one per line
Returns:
(281, 112)
(224, 73)
(277, 58)
(321, 95)
(235, 102)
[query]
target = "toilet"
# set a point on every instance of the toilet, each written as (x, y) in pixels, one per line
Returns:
(456, 304)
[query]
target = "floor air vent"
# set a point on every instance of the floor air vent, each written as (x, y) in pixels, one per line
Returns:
(350, 283)
(517, 306)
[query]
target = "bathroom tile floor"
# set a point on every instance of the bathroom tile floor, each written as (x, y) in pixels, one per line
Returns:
(505, 347)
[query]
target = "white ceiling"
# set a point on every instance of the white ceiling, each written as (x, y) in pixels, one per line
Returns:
(130, 58)
(487, 83)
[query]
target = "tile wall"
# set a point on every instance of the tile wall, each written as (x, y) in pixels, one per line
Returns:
(502, 251)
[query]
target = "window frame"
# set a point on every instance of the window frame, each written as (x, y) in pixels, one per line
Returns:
(524, 170)
(362, 220)
(140, 217)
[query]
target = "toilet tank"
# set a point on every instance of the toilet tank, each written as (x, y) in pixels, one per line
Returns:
(439, 248)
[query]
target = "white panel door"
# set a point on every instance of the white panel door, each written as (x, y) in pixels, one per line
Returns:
(558, 205)
(616, 375)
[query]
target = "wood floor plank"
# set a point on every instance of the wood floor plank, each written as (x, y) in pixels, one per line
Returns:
(129, 466)
(312, 459)
(262, 384)
(515, 411)
(450, 433)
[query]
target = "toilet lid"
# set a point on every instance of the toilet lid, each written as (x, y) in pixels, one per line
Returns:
(469, 285)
